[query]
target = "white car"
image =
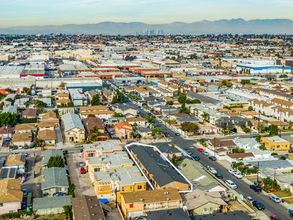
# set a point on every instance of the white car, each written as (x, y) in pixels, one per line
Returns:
(275, 198)
(213, 170)
(231, 171)
(231, 184)
(238, 175)
(205, 153)
(250, 199)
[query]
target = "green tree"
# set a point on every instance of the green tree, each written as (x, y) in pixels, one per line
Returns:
(118, 115)
(55, 161)
(250, 108)
(95, 100)
(181, 98)
(174, 160)
(135, 124)
(202, 141)
(132, 134)
(273, 130)
(62, 85)
(114, 100)
(169, 103)
(156, 131)
(257, 138)
(71, 189)
(94, 137)
(205, 116)
(91, 116)
(262, 146)
(183, 109)
(95, 129)
(243, 81)
(190, 127)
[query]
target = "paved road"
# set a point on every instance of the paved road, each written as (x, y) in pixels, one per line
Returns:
(271, 208)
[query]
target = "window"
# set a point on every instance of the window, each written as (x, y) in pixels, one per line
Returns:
(130, 188)
(97, 169)
(1, 204)
(11, 211)
(139, 187)
(131, 206)
(205, 209)
(211, 208)
(144, 186)
(122, 189)
(90, 154)
(278, 146)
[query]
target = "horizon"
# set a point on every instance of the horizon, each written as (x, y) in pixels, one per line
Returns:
(40, 13)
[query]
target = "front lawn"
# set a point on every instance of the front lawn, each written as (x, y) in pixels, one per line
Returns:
(281, 194)
(289, 201)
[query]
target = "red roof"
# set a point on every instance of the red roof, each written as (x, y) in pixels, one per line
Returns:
(123, 125)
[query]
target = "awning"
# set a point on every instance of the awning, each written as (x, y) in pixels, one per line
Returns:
(102, 201)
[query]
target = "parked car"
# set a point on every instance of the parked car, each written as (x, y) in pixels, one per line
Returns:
(81, 150)
(249, 199)
(213, 170)
(290, 151)
(252, 136)
(219, 176)
(200, 150)
(212, 158)
(205, 153)
(24, 175)
(196, 158)
(275, 198)
(15, 147)
(19, 147)
(258, 205)
(231, 171)
(238, 175)
(32, 145)
(154, 116)
(254, 133)
(82, 170)
(59, 194)
(231, 184)
(24, 192)
(187, 151)
(81, 164)
(256, 188)
(177, 133)
(25, 146)
(274, 217)
(130, 142)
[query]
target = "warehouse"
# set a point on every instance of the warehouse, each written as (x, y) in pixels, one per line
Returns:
(263, 69)
(131, 80)
(7, 72)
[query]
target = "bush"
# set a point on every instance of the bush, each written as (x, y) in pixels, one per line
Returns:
(272, 154)
(282, 158)
(15, 215)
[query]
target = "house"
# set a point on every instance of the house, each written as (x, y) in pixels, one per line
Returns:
(123, 130)
(6, 131)
(29, 113)
(92, 122)
(109, 95)
(142, 92)
(97, 114)
(238, 214)
(48, 136)
(145, 133)
(189, 119)
(51, 205)
(169, 214)
(10, 108)
(91, 94)
(200, 179)
(235, 121)
(135, 204)
(108, 161)
(168, 150)
(21, 139)
(62, 97)
(138, 121)
(25, 128)
(87, 208)
(275, 143)
(216, 143)
(174, 116)
(46, 101)
(124, 109)
(47, 125)
(200, 202)
(161, 173)
(10, 196)
(49, 117)
(102, 147)
(111, 183)
(246, 143)
(73, 128)
(54, 181)
(204, 99)
(235, 157)
(47, 154)
(15, 160)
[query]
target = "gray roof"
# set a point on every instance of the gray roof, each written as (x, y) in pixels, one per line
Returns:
(272, 164)
(51, 202)
(166, 148)
(239, 215)
(50, 153)
(162, 171)
(10, 108)
(187, 119)
(202, 98)
(170, 214)
(54, 177)
(233, 120)
(71, 121)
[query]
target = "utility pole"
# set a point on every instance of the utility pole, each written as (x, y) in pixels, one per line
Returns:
(280, 126)
(274, 178)
(257, 170)
(258, 122)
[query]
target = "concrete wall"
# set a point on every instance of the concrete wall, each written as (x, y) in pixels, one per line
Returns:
(10, 206)
(49, 211)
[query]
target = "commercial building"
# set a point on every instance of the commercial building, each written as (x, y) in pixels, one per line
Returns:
(263, 69)
(276, 143)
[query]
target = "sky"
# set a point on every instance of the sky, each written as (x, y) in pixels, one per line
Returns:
(58, 12)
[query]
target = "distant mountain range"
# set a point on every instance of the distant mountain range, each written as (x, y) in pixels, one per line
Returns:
(233, 26)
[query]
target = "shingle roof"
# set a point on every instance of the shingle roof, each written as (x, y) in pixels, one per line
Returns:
(10, 191)
(47, 134)
(169, 214)
(161, 170)
(202, 98)
(50, 153)
(29, 113)
(51, 202)
(71, 121)
(54, 177)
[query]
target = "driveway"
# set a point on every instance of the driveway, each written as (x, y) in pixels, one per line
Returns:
(58, 137)
(81, 181)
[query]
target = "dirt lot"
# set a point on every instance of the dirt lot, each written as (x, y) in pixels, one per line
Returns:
(235, 205)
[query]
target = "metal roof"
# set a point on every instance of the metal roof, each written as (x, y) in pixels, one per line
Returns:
(71, 121)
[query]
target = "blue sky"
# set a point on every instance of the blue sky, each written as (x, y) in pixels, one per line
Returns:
(58, 12)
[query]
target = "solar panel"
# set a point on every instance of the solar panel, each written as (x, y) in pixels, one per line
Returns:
(12, 171)
(4, 174)
(22, 158)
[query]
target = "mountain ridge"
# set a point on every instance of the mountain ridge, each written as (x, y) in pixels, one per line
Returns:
(222, 26)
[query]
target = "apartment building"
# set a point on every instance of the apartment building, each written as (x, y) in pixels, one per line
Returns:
(73, 128)
(276, 143)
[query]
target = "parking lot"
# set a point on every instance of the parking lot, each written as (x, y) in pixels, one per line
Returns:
(81, 181)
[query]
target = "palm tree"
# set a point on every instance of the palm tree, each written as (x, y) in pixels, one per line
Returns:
(261, 127)
(132, 134)
(205, 116)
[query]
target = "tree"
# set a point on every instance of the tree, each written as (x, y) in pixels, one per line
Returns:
(94, 137)
(250, 108)
(95, 129)
(71, 189)
(118, 115)
(169, 103)
(257, 138)
(156, 131)
(174, 160)
(55, 161)
(201, 141)
(238, 150)
(91, 116)
(273, 130)
(262, 146)
(205, 116)
(132, 134)
(190, 127)
(243, 81)
(114, 100)
(95, 100)
(135, 124)
(62, 85)
(8, 90)
(184, 109)
(181, 98)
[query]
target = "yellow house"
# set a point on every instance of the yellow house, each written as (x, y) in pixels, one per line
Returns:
(111, 183)
(135, 204)
(105, 162)
(276, 143)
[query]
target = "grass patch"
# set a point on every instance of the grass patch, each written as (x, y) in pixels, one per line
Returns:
(250, 206)
(281, 194)
(289, 201)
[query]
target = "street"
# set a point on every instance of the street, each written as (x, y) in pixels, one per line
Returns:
(271, 208)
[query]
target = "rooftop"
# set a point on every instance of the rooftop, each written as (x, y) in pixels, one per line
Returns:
(54, 177)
